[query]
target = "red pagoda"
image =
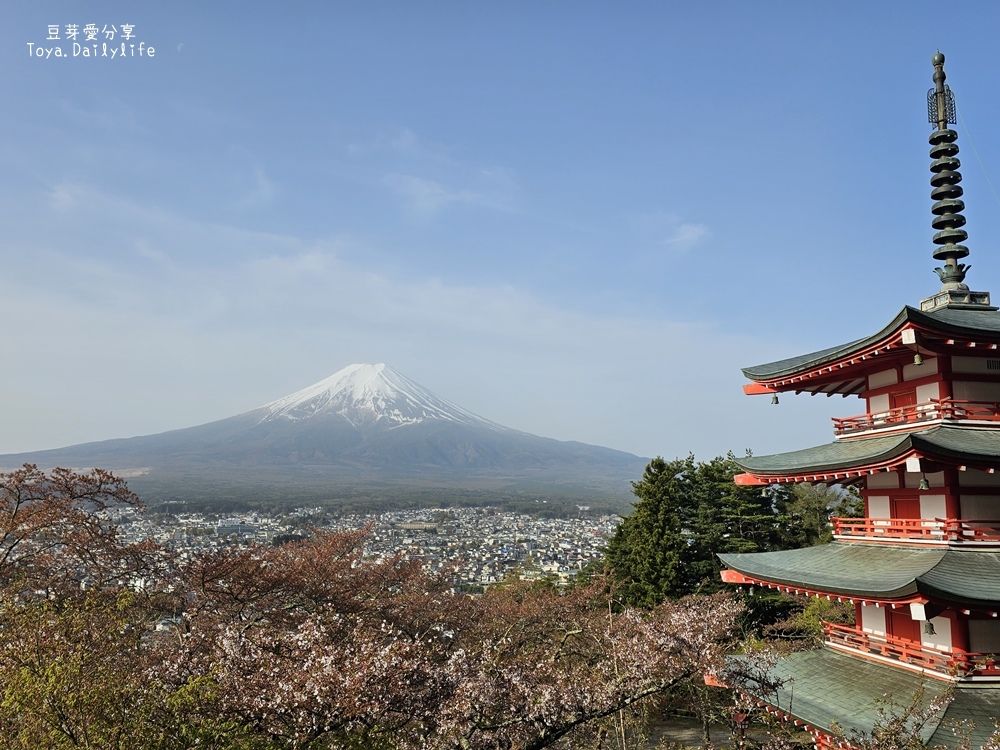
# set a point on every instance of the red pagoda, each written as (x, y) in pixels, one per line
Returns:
(922, 567)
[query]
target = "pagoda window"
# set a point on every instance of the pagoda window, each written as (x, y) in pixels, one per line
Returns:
(977, 365)
(900, 399)
(878, 506)
(970, 390)
(905, 394)
(933, 507)
(980, 507)
(896, 405)
(984, 636)
(878, 407)
(886, 480)
(980, 517)
(927, 392)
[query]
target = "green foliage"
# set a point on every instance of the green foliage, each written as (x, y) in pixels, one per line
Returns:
(688, 512)
(804, 621)
(65, 676)
(819, 610)
(764, 608)
(849, 505)
(650, 552)
(806, 509)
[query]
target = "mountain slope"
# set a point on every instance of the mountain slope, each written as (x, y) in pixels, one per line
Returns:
(365, 427)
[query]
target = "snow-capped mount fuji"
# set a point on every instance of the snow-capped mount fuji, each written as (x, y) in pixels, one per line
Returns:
(365, 394)
(366, 430)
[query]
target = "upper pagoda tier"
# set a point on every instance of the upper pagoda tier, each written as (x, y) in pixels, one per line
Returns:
(910, 337)
(952, 326)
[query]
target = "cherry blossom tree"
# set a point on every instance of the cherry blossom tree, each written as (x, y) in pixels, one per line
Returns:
(71, 619)
(310, 645)
(55, 535)
(305, 645)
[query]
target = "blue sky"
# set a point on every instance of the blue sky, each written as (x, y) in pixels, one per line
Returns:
(577, 219)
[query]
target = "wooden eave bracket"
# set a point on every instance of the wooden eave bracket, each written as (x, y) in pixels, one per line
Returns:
(834, 476)
(758, 389)
(735, 577)
(923, 339)
(712, 680)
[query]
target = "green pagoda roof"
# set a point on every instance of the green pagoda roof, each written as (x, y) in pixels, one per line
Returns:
(962, 445)
(858, 570)
(824, 688)
(962, 323)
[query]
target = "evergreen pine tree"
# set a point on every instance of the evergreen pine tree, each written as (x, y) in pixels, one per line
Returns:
(688, 512)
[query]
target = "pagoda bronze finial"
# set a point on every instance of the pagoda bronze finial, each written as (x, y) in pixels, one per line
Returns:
(948, 206)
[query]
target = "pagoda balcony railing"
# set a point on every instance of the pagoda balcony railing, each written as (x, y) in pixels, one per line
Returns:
(960, 664)
(935, 409)
(951, 530)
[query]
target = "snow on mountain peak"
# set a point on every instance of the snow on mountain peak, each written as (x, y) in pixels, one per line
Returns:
(370, 393)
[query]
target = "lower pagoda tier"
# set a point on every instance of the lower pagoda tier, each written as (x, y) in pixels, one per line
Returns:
(928, 611)
(834, 695)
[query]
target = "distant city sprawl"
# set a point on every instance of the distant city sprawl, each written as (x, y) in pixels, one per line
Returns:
(477, 546)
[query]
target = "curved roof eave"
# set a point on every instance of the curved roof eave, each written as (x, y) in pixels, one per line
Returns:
(793, 365)
(872, 571)
(838, 568)
(835, 692)
(969, 323)
(969, 445)
(844, 454)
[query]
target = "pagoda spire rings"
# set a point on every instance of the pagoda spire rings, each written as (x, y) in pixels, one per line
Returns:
(948, 206)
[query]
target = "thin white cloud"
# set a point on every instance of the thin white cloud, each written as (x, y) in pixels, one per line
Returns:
(109, 114)
(424, 199)
(667, 230)
(400, 142)
(687, 236)
(406, 141)
(428, 178)
(260, 192)
(62, 198)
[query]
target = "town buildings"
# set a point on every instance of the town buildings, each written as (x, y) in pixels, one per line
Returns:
(922, 568)
(474, 547)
